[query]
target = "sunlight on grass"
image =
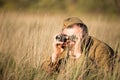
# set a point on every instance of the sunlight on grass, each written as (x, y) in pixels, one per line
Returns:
(26, 41)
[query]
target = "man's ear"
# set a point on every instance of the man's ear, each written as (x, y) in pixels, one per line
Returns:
(84, 34)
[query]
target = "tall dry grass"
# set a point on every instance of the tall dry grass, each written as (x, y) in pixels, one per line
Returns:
(26, 41)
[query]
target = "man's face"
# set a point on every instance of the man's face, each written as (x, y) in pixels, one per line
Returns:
(73, 30)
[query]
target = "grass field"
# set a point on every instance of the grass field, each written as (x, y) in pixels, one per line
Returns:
(26, 41)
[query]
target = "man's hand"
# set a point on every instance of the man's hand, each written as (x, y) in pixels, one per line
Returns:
(57, 49)
(77, 46)
(77, 50)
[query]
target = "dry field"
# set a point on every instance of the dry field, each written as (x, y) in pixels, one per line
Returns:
(26, 41)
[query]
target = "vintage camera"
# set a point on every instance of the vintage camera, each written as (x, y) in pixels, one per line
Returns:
(64, 38)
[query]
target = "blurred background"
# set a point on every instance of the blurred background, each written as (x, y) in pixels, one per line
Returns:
(26, 25)
(27, 28)
(91, 6)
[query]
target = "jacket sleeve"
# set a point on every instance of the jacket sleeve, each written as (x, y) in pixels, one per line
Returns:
(51, 67)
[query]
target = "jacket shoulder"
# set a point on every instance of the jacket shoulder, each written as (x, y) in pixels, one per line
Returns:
(101, 45)
(100, 48)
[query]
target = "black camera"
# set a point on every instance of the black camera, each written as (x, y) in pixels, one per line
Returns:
(64, 38)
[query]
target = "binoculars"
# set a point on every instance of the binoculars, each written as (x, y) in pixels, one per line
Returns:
(65, 38)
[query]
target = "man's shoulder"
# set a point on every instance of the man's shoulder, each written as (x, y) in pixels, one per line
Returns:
(98, 42)
(101, 45)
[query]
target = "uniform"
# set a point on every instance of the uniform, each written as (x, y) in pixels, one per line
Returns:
(96, 55)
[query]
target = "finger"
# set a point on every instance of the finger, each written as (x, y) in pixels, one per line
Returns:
(72, 43)
(58, 44)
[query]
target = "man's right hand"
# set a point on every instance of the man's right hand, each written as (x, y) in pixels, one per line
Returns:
(57, 49)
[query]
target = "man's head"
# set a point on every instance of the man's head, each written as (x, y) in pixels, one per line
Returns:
(73, 26)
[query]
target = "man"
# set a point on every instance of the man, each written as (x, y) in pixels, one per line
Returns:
(98, 53)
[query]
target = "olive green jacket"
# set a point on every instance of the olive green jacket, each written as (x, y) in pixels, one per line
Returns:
(95, 53)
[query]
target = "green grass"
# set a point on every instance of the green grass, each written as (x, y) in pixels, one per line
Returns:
(26, 41)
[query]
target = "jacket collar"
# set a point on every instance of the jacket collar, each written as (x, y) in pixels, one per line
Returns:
(86, 44)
